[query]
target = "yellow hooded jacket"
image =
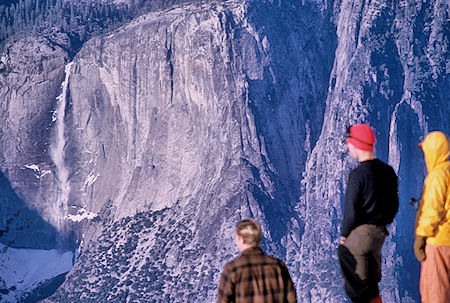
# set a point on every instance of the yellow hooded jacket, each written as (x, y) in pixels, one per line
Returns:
(433, 215)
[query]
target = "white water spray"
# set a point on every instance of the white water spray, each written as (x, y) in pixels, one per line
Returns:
(57, 155)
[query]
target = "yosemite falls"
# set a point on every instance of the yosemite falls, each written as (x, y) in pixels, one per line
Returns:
(175, 126)
(57, 155)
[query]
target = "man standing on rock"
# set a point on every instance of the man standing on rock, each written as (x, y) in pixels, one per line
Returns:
(254, 277)
(371, 202)
(432, 232)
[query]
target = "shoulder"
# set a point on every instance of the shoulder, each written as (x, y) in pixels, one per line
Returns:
(387, 166)
(439, 174)
(244, 260)
(280, 266)
(382, 167)
(233, 264)
(271, 258)
(443, 168)
(388, 169)
(273, 261)
(358, 173)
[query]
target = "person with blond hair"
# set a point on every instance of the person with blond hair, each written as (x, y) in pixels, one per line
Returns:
(432, 231)
(254, 277)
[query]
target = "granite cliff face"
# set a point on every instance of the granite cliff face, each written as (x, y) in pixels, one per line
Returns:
(390, 69)
(31, 72)
(169, 130)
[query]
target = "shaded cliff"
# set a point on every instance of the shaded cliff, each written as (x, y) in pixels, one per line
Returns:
(30, 78)
(390, 70)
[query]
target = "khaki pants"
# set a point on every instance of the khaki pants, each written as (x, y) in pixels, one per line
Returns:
(435, 275)
(360, 260)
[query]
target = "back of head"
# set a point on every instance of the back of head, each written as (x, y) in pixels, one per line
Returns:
(250, 230)
(361, 136)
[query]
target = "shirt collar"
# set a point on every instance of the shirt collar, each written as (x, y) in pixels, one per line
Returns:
(253, 251)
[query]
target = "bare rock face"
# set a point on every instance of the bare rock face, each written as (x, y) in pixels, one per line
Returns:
(31, 72)
(168, 108)
(391, 76)
(158, 137)
(203, 115)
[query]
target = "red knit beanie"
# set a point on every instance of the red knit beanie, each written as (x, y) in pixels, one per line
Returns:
(361, 136)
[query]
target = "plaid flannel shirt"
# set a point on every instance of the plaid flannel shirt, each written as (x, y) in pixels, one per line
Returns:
(256, 277)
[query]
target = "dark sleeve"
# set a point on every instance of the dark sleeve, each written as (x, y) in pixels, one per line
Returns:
(350, 204)
(290, 296)
(226, 286)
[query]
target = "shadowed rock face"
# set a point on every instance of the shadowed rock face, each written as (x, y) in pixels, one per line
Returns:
(183, 122)
(389, 74)
(31, 72)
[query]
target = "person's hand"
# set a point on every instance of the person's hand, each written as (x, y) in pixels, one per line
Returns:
(419, 248)
(342, 240)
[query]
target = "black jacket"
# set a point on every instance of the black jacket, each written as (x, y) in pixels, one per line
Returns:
(371, 196)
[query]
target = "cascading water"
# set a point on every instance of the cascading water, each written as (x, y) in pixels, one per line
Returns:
(57, 155)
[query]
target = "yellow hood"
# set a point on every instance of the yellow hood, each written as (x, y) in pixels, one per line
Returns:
(436, 148)
(433, 215)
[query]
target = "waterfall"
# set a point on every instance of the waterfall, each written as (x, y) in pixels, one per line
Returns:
(57, 155)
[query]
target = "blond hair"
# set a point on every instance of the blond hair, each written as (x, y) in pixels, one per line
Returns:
(250, 230)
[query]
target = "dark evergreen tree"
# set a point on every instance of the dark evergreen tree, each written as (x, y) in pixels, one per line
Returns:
(79, 19)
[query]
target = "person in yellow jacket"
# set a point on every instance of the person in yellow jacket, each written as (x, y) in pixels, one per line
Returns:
(432, 231)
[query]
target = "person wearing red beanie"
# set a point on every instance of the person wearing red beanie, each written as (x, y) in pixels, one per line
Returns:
(371, 202)
(361, 136)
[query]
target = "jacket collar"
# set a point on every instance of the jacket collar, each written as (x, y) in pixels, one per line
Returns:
(253, 251)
